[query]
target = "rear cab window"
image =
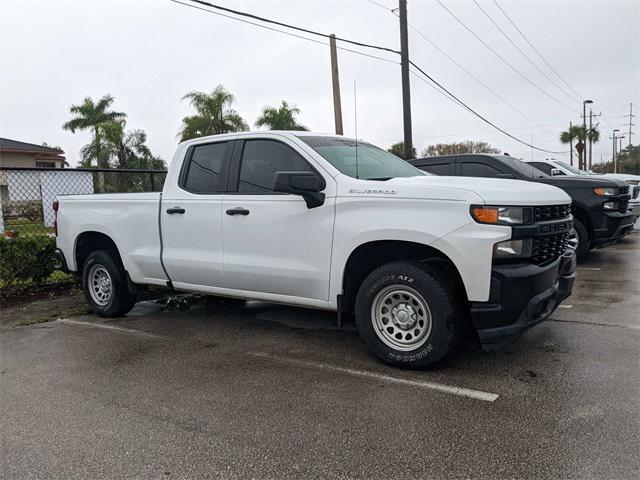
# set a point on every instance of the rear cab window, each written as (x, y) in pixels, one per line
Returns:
(203, 168)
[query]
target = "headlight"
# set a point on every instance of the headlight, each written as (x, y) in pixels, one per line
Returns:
(605, 191)
(512, 249)
(610, 205)
(500, 215)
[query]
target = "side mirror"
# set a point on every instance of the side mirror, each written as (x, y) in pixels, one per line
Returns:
(556, 172)
(306, 184)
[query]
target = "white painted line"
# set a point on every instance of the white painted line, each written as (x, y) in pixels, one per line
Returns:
(593, 269)
(462, 392)
(566, 306)
(113, 328)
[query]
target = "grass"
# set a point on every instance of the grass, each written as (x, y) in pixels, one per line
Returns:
(27, 227)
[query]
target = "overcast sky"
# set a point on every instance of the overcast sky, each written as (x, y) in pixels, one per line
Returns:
(148, 54)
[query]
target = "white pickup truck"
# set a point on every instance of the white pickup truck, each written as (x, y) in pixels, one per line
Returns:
(327, 222)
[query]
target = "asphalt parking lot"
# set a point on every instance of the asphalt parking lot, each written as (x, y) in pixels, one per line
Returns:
(266, 391)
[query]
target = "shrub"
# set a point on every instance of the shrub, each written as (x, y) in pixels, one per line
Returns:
(24, 259)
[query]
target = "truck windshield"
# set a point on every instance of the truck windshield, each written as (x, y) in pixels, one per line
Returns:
(524, 168)
(571, 168)
(361, 160)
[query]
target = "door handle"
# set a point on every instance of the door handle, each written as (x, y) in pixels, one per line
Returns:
(173, 210)
(238, 211)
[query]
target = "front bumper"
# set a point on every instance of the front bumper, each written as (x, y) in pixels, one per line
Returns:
(614, 226)
(522, 295)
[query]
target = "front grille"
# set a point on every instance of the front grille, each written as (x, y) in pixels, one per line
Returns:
(547, 249)
(623, 205)
(551, 212)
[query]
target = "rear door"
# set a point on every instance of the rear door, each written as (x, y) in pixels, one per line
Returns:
(191, 216)
(274, 243)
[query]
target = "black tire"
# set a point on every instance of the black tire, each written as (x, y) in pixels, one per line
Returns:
(583, 239)
(120, 300)
(436, 342)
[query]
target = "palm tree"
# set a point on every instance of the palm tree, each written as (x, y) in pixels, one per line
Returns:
(575, 132)
(89, 115)
(282, 118)
(214, 114)
(593, 135)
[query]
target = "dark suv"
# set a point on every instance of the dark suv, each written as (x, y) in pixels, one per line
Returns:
(599, 206)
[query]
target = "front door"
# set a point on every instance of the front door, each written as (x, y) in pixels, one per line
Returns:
(274, 243)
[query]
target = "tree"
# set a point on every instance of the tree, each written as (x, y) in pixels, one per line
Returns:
(581, 135)
(214, 114)
(467, 146)
(89, 115)
(398, 150)
(628, 161)
(282, 118)
(120, 149)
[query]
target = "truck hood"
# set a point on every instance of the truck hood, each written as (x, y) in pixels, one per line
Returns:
(493, 191)
(578, 181)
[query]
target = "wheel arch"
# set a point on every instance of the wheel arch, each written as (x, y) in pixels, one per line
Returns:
(370, 255)
(90, 241)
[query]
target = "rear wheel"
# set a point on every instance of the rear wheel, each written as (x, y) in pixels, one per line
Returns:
(406, 314)
(105, 286)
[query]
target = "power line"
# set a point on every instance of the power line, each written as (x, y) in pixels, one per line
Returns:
(471, 110)
(464, 69)
(562, 89)
(502, 58)
(536, 50)
(293, 27)
(284, 32)
(449, 95)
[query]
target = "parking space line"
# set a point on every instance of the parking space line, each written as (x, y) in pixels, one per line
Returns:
(566, 306)
(452, 390)
(113, 328)
(593, 269)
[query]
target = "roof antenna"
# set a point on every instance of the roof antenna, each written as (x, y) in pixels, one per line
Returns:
(355, 115)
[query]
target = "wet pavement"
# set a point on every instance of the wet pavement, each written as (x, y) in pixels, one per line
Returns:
(267, 391)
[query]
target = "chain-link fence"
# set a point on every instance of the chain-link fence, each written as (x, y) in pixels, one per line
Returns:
(27, 194)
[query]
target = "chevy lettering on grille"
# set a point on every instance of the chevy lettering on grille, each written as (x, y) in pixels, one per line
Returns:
(557, 227)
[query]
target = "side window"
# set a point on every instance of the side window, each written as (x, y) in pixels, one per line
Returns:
(438, 168)
(261, 159)
(545, 167)
(472, 169)
(203, 170)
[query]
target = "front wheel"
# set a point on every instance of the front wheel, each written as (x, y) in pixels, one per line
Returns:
(105, 286)
(406, 315)
(579, 239)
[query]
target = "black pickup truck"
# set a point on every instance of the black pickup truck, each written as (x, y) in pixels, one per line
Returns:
(599, 206)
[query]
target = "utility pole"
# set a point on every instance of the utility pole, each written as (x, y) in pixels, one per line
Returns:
(631, 115)
(591, 116)
(406, 94)
(571, 143)
(620, 148)
(589, 135)
(615, 167)
(335, 81)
